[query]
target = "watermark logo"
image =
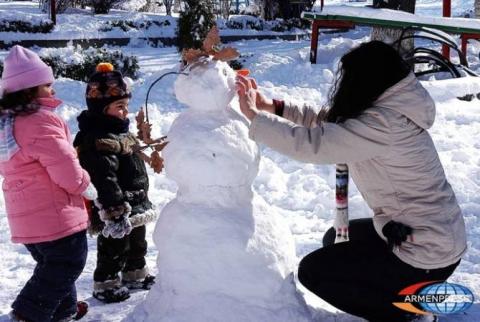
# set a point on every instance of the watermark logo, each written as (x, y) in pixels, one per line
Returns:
(436, 298)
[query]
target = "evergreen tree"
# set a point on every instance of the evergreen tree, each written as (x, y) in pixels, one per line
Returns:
(194, 23)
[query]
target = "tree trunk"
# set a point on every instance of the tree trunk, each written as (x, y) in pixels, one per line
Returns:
(285, 9)
(60, 5)
(177, 4)
(390, 35)
(477, 9)
(149, 6)
(225, 8)
(267, 9)
(168, 6)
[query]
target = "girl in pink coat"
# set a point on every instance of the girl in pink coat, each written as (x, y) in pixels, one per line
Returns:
(43, 188)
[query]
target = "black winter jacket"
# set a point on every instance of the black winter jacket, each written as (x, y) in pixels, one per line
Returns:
(105, 147)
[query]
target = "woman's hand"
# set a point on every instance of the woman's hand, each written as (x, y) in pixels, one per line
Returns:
(247, 96)
(261, 102)
(396, 233)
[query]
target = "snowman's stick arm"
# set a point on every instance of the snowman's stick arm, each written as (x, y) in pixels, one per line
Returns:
(153, 84)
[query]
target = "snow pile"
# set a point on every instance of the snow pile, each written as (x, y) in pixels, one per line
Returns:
(14, 15)
(132, 5)
(223, 253)
(83, 25)
(447, 89)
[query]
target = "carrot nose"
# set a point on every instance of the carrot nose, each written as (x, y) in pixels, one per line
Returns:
(243, 72)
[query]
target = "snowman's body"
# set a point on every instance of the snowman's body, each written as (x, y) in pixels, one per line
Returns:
(223, 253)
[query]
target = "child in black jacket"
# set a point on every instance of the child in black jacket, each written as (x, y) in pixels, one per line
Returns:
(107, 150)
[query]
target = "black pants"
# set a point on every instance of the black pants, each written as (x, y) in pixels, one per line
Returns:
(50, 294)
(363, 277)
(124, 254)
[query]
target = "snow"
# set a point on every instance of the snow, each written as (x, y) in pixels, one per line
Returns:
(130, 5)
(81, 24)
(302, 194)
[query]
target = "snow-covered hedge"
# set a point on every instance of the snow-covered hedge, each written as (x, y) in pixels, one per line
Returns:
(281, 25)
(255, 23)
(245, 22)
(78, 64)
(43, 26)
(127, 25)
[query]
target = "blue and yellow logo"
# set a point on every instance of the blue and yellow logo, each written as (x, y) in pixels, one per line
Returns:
(436, 298)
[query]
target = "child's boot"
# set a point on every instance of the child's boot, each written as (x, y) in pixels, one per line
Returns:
(82, 309)
(110, 291)
(138, 279)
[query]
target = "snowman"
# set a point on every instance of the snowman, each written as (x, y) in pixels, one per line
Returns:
(223, 253)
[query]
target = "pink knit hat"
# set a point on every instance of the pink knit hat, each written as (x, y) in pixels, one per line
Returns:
(23, 69)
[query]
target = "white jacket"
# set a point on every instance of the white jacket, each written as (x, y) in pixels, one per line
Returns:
(393, 162)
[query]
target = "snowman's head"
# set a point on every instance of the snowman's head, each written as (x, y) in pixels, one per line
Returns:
(209, 85)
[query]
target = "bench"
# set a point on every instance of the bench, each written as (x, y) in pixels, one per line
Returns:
(346, 17)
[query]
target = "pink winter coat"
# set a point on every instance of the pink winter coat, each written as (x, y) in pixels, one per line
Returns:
(44, 180)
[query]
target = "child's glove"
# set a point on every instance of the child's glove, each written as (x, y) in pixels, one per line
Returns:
(113, 212)
(396, 233)
(144, 218)
(117, 228)
(90, 193)
(117, 223)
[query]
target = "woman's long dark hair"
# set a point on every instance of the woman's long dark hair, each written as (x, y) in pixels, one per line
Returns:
(19, 102)
(364, 74)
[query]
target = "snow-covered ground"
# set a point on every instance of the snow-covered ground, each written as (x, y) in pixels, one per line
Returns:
(81, 24)
(302, 193)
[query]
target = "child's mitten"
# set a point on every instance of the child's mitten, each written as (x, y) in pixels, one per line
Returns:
(144, 218)
(113, 212)
(90, 193)
(117, 228)
(116, 219)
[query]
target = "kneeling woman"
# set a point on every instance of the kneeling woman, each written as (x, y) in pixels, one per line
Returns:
(377, 123)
